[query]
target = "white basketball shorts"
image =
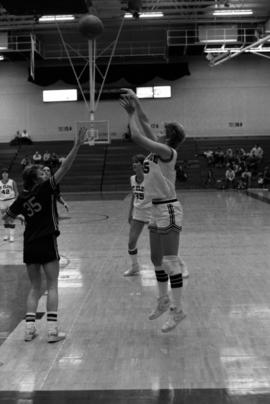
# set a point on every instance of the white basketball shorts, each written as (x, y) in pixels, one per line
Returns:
(166, 216)
(141, 215)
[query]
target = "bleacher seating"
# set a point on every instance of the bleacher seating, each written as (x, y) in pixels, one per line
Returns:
(108, 167)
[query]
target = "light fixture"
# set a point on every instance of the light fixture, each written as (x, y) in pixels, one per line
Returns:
(60, 95)
(237, 50)
(52, 18)
(3, 48)
(220, 40)
(2, 57)
(232, 12)
(157, 14)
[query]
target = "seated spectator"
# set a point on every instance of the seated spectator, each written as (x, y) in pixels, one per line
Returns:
(265, 177)
(230, 177)
(219, 157)
(54, 163)
(260, 179)
(17, 139)
(46, 157)
(229, 156)
(209, 154)
(181, 173)
(246, 177)
(25, 133)
(26, 161)
(37, 158)
(236, 168)
(256, 152)
(243, 154)
(25, 138)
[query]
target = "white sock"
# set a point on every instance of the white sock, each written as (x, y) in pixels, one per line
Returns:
(52, 322)
(162, 286)
(133, 254)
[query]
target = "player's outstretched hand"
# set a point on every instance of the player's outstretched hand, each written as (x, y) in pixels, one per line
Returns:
(80, 136)
(127, 92)
(128, 104)
(66, 207)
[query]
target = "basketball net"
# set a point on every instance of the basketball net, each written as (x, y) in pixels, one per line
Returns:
(91, 135)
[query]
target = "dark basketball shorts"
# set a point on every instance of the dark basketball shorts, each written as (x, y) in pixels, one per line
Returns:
(41, 250)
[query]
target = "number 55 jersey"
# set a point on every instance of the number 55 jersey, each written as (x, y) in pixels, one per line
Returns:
(38, 207)
(142, 203)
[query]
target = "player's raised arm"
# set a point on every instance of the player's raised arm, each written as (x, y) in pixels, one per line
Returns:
(142, 117)
(148, 144)
(67, 163)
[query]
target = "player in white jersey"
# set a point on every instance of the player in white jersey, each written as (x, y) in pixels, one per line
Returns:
(8, 194)
(166, 220)
(139, 212)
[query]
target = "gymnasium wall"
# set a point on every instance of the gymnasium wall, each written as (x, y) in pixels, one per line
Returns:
(230, 99)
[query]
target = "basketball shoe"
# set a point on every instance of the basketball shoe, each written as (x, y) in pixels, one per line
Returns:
(134, 270)
(174, 319)
(163, 304)
(185, 273)
(55, 336)
(30, 332)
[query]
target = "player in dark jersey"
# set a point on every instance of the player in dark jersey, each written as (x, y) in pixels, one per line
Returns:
(37, 204)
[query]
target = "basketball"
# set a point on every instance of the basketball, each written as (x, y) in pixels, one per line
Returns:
(90, 26)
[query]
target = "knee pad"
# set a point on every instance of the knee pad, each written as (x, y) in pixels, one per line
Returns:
(171, 265)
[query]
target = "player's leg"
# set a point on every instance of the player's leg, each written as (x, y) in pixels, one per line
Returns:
(11, 230)
(6, 222)
(184, 268)
(135, 230)
(172, 266)
(34, 275)
(163, 301)
(51, 270)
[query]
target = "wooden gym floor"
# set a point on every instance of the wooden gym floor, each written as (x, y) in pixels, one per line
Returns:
(113, 354)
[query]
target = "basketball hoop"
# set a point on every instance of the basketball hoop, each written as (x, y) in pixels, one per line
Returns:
(97, 132)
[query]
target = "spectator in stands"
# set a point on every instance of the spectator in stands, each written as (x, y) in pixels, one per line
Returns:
(209, 154)
(17, 139)
(219, 157)
(256, 152)
(54, 163)
(181, 173)
(26, 161)
(236, 168)
(37, 158)
(25, 138)
(46, 157)
(229, 177)
(228, 156)
(246, 177)
(243, 154)
(254, 159)
(266, 176)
